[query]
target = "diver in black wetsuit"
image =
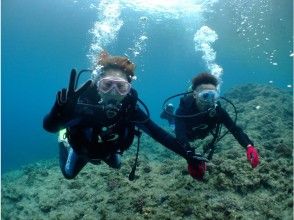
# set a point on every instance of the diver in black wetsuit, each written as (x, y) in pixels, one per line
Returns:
(199, 114)
(167, 115)
(100, 119)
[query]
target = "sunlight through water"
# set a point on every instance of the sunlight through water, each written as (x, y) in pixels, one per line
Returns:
(109, 21)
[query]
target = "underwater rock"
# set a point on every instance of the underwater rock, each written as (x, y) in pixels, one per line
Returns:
(147, 169)
(139, 203)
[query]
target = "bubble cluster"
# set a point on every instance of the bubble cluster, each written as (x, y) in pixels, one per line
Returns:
(140, 41)
(203, 39)
(106, 28)
(250, 21)
(109, 21)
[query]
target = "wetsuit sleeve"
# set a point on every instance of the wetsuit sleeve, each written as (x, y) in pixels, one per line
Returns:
(180, 127)
(54, 120)
(158, 134)
(236, 131)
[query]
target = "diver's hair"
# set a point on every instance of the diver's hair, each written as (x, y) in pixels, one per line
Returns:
(117, 62)
(204, 78)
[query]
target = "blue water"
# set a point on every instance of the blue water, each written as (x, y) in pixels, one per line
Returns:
(42, 41)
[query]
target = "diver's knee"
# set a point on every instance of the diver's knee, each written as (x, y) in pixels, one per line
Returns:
(114, 161)
(68, 176)
(116, 166)
(68, 173)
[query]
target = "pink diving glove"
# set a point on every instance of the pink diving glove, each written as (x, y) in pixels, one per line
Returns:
(252, 156)
(197, 170)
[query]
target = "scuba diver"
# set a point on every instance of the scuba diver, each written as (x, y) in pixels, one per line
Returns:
(98, 121)
(200, 113)
(169, 109)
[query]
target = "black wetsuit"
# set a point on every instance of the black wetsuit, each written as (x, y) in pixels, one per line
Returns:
(93, 135)
(198, 127)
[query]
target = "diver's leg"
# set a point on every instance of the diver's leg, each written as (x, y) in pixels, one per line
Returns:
(114, 160)
(70, 163)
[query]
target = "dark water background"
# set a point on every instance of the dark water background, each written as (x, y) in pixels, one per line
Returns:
(42, 41)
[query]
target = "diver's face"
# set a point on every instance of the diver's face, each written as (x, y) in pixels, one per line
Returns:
(206, 96)
(113, 86)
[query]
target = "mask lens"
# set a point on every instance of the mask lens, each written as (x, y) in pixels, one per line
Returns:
(123, 87)
(107, 84)
(208, 95)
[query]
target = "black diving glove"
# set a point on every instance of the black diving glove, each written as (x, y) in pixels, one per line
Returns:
(193, 157)
(66, 99)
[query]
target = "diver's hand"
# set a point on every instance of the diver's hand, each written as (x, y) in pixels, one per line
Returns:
(252, 156)
(197, 166)
(196, 162)
(68, 98)
(197, 169)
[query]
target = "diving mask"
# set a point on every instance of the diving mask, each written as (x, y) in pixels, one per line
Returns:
(208, 96)
(106, 84)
